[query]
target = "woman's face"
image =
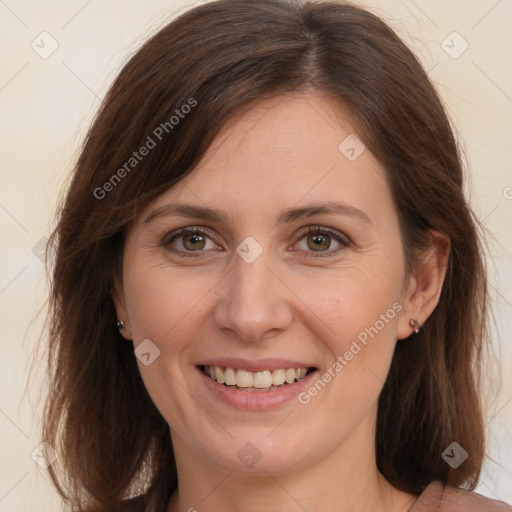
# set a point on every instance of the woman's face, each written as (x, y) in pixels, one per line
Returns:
(256, 295)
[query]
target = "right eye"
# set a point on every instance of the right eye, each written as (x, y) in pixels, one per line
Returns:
(189, 240)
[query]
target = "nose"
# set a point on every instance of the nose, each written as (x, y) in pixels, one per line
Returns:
(254, 303)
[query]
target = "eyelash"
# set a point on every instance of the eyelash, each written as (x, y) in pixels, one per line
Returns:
(343, 240)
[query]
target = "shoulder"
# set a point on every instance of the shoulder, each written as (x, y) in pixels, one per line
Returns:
(461, 499)
(438, 497)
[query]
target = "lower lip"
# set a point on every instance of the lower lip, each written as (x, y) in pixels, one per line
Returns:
(255, 400)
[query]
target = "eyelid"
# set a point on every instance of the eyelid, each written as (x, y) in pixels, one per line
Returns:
(341, 237)
(172, 235)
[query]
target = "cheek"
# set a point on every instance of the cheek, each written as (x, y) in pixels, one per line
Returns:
(160, 302)
(164, 309)
(356, 319)
(358, 336)
(352, 301)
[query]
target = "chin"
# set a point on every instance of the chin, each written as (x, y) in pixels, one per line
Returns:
(258, 451)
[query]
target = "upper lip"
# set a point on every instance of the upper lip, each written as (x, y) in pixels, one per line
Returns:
(254, 365)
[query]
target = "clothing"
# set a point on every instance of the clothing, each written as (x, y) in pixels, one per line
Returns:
(440, 498)
(437, 497)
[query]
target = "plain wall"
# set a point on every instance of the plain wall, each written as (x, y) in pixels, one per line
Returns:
(47, 104)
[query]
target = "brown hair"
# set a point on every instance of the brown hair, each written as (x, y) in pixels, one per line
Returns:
(225, 55)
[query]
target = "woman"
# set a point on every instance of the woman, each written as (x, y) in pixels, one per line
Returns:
(269, 290)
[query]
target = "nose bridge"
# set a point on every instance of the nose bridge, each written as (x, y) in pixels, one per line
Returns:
(253, 302)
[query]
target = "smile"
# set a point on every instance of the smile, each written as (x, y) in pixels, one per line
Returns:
(265, 380)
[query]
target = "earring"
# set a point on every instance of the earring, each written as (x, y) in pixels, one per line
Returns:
(120, 325)
(415, 325)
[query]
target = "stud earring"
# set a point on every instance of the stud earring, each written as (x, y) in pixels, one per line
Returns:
(415, 325)
(120, 325)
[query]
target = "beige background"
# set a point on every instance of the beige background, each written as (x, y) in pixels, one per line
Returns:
(47, 105)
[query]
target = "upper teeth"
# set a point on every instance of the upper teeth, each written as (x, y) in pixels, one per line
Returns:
(262, 379)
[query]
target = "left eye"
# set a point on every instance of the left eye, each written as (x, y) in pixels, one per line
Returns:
(319, 240)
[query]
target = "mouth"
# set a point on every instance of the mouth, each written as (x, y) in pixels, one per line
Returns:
(259, 381)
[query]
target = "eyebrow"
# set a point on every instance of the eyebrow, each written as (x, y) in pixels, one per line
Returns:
(286, 216)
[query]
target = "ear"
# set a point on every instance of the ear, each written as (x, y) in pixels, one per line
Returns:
(424, 287)
(118, 297)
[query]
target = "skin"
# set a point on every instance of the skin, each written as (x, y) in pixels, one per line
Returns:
(278, 154)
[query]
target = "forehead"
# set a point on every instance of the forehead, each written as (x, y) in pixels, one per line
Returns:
(280, 152)
(289, 126)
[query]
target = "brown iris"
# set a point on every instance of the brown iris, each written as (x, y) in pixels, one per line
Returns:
(319, 241)
(193, 239)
